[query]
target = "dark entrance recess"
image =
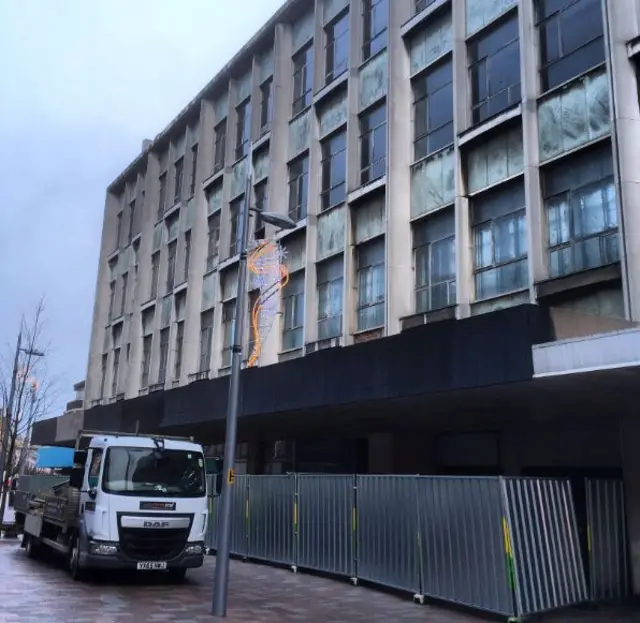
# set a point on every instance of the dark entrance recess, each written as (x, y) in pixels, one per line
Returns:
(577, 477)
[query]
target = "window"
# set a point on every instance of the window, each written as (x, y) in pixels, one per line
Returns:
(177, 362)
(228, 323)
(373, 144)
(494, 58)
(103, 374)
(266, 104)
(235, 232)
(293, 311)
(500, 241)
(146, 360)
(132, 218)
(164, 355)
(171, 265)
(220, 146)
(94, 468)
(178, 175)
(421, 5)
(206, 338)
(261, 201)
(118, 230)
(582, 216)
(571, 39)
(302, 79)
(123, 293)
(334, 170)
(337, 50)
(298, 187)
(435, 262)
(116, 372)
(213, 240)
(194, 170)
(112, 299)
(374, 25)
(162, 196)
(155, 272)
(433, 110)
(187, 255)
(371, 285)
(330, 285)
(243, 128)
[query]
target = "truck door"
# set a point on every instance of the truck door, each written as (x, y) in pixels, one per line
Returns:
(88, 494)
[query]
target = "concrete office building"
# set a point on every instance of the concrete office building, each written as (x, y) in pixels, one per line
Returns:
(464, 175)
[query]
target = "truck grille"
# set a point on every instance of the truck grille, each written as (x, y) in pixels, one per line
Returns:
(152, 543)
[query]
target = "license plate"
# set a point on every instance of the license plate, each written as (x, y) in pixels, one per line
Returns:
(152, 566)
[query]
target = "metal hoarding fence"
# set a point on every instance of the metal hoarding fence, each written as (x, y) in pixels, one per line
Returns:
(543, 537)
(387, 532)
(271, 518)
(326, 523)
(609, 576)
(463, 556)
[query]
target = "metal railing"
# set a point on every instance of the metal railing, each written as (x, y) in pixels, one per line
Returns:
(509, 546)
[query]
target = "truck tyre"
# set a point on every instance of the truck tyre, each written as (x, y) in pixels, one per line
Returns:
(32, 546)
(177, 575)
(78, 574)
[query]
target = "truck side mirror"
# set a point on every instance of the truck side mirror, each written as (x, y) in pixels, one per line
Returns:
(80, 457)
(77, 477)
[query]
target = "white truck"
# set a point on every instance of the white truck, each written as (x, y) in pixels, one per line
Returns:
(132, 502)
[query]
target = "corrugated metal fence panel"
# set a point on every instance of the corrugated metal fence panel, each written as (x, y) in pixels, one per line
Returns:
(463, 558)
(548, 565)
(212, 525)
(325, 535)
(387, 531)
(271, 511)
(608, 562)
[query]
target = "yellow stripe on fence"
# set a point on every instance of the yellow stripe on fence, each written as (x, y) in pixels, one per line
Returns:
(354, 519)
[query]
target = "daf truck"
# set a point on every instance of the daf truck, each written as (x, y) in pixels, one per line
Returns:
(131, 502)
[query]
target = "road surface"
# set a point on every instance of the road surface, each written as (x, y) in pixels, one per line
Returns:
(40, 591)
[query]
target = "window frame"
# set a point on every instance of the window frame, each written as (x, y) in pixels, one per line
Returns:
(162, 193)
(302, 98)
(369, 49)
(266, 106)
(163, 354)
(155, 275)
(326, 202)
(299, 211)
(147, 340)
(235, 228)
(243, 129)
(187, 255)
(261, 203)
(373, 269)
(228, 328)
(421, 5)
(555, 16)
(213, 240)
(172, 256)
(219, 146)
(178, 179)
(205, 342)
(115, 372)
(329, 285)
(368, 171)
(179, 344)
(333, 70)
(291, 300)
(514, 91)
(194, 170)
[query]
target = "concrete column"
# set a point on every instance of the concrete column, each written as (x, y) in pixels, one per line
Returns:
(399, 286)
(630, 441)
(621, 17)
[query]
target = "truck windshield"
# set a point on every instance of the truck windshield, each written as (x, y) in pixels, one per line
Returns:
(154, 473)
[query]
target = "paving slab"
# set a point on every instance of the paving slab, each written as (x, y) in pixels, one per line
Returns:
(40, 591)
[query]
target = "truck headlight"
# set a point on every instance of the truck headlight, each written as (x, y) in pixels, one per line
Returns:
(101, 548)
(194, 549)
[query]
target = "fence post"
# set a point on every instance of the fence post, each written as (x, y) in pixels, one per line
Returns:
(354, 532)
(508, 551)
(296, 532)
(419, 597)
(247, 517)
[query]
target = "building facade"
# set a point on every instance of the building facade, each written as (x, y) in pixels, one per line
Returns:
(442, 159)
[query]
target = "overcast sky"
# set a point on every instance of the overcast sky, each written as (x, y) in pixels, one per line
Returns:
(82, 82)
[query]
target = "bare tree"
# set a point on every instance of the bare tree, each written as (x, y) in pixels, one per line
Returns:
(26, 394)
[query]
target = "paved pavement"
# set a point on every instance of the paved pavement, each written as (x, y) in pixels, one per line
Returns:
(40, 591)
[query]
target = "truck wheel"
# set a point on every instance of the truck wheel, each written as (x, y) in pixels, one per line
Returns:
(32, 546)
(77, 572)
(177, 575)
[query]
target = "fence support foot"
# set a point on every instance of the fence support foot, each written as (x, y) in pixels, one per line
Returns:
(354, 581)
(419, 599)
(294, 568)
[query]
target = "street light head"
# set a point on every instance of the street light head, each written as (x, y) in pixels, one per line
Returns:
(281, 221)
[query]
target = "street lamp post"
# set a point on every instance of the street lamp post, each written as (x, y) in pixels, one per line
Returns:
(221, 577)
